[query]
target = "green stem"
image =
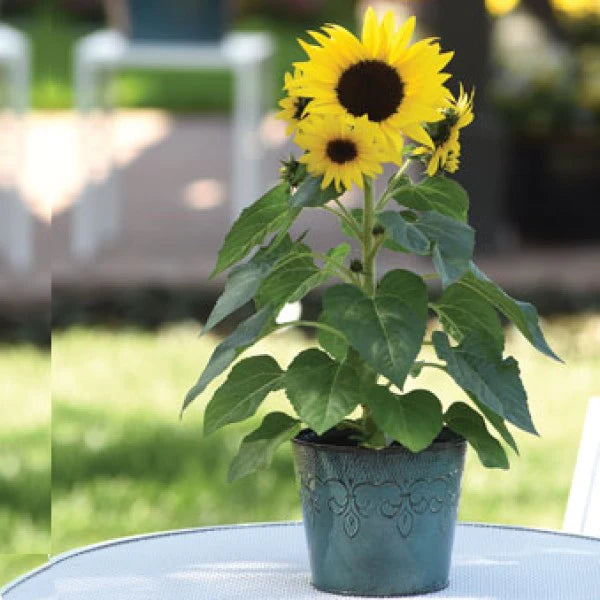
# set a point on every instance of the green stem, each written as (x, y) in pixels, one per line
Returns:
(367, 239)
(347, 213)
(376, 246)
(367, 422)
(386, 196)
(314, 324)
(347, 219)
(435, 366)
(343, 272)
(430, 276)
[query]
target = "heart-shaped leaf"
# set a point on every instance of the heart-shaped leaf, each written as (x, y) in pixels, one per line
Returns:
(257, 449)
(405, 234)
(465, 421)
(335, 344)
(248, 332)
(439, 193)
(322, 390)
(463, 313)
(386, 330)
(453, 243)
(413, 420)
(522, 314)
(244, 281)
(310, 194)
(478, 368)
(248, 384)
(268, 214)
(497, 422)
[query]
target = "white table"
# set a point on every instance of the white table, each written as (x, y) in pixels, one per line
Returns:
(96, 216)
(269, 561)
(16, 222)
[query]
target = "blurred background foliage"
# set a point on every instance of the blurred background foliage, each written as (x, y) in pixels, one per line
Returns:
(55, 25)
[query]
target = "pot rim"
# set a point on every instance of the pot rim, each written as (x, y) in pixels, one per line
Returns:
(399, 449)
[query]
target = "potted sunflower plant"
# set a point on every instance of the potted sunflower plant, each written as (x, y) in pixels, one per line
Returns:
(379, 467)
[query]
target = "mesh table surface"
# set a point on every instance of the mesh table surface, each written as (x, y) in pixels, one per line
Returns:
(269, 561)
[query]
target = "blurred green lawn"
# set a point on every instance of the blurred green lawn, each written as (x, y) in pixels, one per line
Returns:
(123, 463)
(53, 35)
(24, 458)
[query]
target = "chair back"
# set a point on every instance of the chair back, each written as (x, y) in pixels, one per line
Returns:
(583, 508)
(169, 20)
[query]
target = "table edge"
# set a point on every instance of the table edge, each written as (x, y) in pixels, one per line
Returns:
(258, 525)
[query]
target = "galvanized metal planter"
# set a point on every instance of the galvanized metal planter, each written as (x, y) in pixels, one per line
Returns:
(379, 522)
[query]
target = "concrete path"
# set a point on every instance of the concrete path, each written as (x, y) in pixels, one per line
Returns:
(175, 180)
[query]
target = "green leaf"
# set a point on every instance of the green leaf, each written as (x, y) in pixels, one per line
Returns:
(290, 279)
(412, 419)
(247, 333)
(268, 214)
(332, 343)
(244, 281)
(478, 368)
(248, 384)
(497, 423)
(439, 193)
(397, 182)
(465, 421)
(453, 243)
(257, 449)
(463, 313)
(310, 194)
(522, 314)
(335, 256)
(357, 214)
(338, 254)
(405, 234)
(296, 275)
(321, 390)
(387, 330)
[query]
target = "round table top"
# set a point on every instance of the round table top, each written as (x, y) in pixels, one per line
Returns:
(268, 561)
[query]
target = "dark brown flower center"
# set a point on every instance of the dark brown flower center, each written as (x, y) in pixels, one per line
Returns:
(370, 87)
(341, 151)
(300, 104)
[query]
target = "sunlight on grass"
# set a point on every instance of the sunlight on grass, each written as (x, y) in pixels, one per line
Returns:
(24, 450)
(125, 464)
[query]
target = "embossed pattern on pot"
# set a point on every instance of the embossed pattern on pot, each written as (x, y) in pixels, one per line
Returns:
(379, 522)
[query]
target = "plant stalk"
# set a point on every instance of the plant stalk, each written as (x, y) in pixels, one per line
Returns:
(368, 257)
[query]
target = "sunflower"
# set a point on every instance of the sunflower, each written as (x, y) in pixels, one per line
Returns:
(293, 106)
(396, 85)
(444, 152)
(341, 149)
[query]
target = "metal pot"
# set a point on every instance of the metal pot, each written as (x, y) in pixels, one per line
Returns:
(379, 522)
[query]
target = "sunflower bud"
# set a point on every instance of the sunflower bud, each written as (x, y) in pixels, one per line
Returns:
(356, 266)
(292, 171)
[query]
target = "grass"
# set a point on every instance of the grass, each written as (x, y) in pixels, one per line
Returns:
(124, 464)
(24, 459)
(24, 450)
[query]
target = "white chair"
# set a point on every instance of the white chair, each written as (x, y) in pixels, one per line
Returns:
(16, 222)
(583, 508)
(96, 216)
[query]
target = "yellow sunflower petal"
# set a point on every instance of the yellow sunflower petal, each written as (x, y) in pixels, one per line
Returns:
(370, 31)
(417, 133)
